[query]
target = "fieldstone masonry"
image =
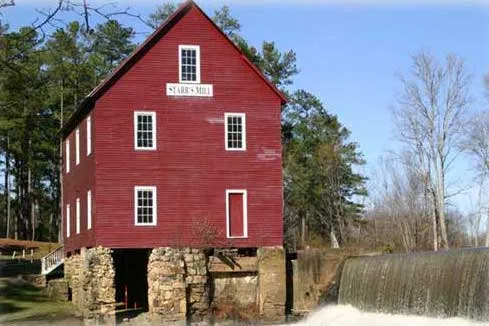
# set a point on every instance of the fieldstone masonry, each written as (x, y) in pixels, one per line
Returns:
(271, 283)
(90, 275)
(178, 285)
(197, 284)
(166, 285)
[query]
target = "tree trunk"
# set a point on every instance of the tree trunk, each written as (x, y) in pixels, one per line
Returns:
(7, 186)
(441, 207)
(434, 221)
(19, 209)
(61, 122)
(30, 204)
(334, 241)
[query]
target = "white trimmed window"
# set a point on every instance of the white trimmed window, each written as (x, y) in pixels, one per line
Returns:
(236, 213)
(67, 155)
(77, 215)
(235, 131)
(89, 135)
(145, 205)
(67, 220)
(77, 145)
(189, 63)
(145, 130)
(89, 210)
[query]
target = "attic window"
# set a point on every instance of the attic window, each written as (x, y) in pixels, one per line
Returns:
(189, 63)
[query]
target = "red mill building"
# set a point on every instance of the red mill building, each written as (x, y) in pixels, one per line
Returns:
(178, 150)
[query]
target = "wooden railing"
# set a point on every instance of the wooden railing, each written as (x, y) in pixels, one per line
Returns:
(52, 260)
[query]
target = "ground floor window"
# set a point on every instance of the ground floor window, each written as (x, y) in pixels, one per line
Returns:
(145, 205)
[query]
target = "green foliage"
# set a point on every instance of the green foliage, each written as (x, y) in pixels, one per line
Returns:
(161, 13)
(226, 22)
(320, 183)
(41, 83)
(110, 44)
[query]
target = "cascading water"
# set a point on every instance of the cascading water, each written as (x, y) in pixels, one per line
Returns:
(454, 283)
(349, 316)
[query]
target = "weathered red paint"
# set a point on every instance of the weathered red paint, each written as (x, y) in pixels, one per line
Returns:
(190, 168)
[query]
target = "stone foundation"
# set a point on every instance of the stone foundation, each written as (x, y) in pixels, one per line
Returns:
(197, 284)
(166, 285)
(271, 283)
(178, 285)
(90, 276)
(58, 289)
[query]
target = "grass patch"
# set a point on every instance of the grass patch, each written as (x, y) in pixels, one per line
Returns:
(40, 249)
(21, 301)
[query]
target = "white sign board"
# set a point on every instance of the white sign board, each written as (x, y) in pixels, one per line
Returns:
(201, 90)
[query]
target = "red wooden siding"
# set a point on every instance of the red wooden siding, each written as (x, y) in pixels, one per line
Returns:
(236, 215)
(76, 183)
(190, 167)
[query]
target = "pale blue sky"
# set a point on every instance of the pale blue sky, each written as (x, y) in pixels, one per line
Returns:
(349, 54)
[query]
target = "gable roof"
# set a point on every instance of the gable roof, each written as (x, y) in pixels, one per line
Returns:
(87, 104)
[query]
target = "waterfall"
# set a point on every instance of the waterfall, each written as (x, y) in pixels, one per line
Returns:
(349, 316)
(453, 283)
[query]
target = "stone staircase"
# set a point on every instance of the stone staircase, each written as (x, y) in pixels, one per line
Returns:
(52, 261)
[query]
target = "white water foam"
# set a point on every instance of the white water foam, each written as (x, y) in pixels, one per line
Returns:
(341, 315)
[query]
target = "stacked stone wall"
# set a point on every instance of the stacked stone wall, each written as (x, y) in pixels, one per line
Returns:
(197, 284)
(179, 285)
(166, 285)
(271, 283)
(90, 276)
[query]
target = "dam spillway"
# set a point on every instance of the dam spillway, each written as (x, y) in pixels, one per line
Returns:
(453, 283)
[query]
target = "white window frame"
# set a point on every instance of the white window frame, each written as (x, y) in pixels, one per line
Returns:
(77, 145)
(245, 213)
(197, 63)
(67, 155)
(78, 216)
(147, 113)
(155, 205)
(89, 135)
(68, 220)
(89, 210)
(243, 130)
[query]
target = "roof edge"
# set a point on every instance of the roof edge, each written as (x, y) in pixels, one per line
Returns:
(87, 104)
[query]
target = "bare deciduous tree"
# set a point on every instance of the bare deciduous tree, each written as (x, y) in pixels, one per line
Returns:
(399, 208)
(476, 144)
(430, 117)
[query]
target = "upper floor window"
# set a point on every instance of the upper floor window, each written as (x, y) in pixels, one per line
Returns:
(89, 209)
(145, 205)
(68, 220)
(189, 63)
(67, 155)
(145, 130)
(77, 215)
(235, 131)
(89, 135)
(77, 145)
